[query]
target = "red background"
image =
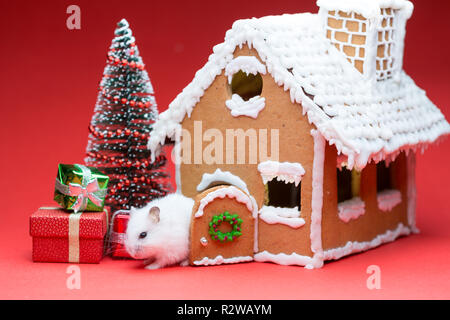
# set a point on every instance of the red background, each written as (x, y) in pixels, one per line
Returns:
(48, 82)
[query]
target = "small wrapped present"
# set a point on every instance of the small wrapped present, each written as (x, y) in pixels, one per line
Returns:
(117, 234)
(63, 236)
(80, 188)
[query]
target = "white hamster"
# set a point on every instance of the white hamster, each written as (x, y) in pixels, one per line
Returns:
(159, 232)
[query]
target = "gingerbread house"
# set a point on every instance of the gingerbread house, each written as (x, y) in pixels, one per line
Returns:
(299, 135)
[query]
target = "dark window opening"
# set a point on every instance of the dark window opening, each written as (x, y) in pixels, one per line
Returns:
(384, 181)
(245, 85)
(344, 182)
(285, 195)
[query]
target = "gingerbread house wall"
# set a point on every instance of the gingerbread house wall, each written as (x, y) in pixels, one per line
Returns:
(374, 222)
(295, 145)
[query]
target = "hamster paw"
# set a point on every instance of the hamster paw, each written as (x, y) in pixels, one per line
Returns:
(153, 266)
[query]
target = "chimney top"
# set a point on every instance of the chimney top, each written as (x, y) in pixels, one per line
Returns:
(370, 9)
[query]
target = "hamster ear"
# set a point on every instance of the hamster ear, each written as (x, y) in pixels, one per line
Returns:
(154, 214)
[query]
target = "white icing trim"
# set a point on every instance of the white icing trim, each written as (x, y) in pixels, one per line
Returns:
(250, 108)
(176, 157)
(247, 64)
(255, 240)
(277, 215)
(355, 246)
(282, 171)
(284, 259)
(411, 191)
(230, 192)
(351, 209)
(317, 200)
(369, 9)
(221, 260)
(388, 199)
(221, 176)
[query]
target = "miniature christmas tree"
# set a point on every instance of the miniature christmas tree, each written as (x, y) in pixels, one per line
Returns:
(121, 125)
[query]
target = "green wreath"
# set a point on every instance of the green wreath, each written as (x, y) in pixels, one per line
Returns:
(232, 219)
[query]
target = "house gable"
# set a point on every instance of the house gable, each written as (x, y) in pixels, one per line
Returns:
(295, 145)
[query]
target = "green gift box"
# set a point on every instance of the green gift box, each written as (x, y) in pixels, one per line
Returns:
(80, 188)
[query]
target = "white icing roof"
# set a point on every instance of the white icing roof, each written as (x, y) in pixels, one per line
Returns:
(366, 120)
(367, 8)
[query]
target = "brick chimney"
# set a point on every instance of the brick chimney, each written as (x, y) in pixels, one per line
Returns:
(370, 33)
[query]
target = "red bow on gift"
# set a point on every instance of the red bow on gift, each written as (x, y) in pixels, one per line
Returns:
(83, 193)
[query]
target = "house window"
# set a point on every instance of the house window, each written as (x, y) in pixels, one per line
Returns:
(246, 85)
(387, 196)
(282, 199)
(350, 205)
(384, 181)
(348, 182)
(282, 194)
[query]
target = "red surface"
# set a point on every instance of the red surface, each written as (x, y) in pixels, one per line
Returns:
(49, 77)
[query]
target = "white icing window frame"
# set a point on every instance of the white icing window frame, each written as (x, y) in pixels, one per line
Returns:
(238, 106)
(250, 108)
(289, 172)
(221, 176)
(247, 64)
(351, 209)
(277, 215)
(388, 199)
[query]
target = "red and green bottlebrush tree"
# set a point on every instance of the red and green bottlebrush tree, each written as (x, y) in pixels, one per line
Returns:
(121, 126)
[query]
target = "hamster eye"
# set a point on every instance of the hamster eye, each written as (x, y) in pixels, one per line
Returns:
(142, 235)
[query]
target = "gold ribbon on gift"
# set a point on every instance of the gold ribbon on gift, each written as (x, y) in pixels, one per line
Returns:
(74, 233)
(74, 237)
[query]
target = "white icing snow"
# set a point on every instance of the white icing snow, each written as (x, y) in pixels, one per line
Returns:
(221, 260)
(370, 9)
(364, 119)
(230, 192)
(282, 171)
(277, 215)
(411, 191)
(249, 108)
(247, 64)
(351, 209)
(388, 199)
(284, 259)
(355, 246)
(317, 200)
(221, 176)
(255, 240)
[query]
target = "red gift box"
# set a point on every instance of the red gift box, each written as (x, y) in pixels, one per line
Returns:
(117, 234)
(64, 236)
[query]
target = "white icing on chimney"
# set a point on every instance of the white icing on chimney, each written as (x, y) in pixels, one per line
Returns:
(370, 33)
